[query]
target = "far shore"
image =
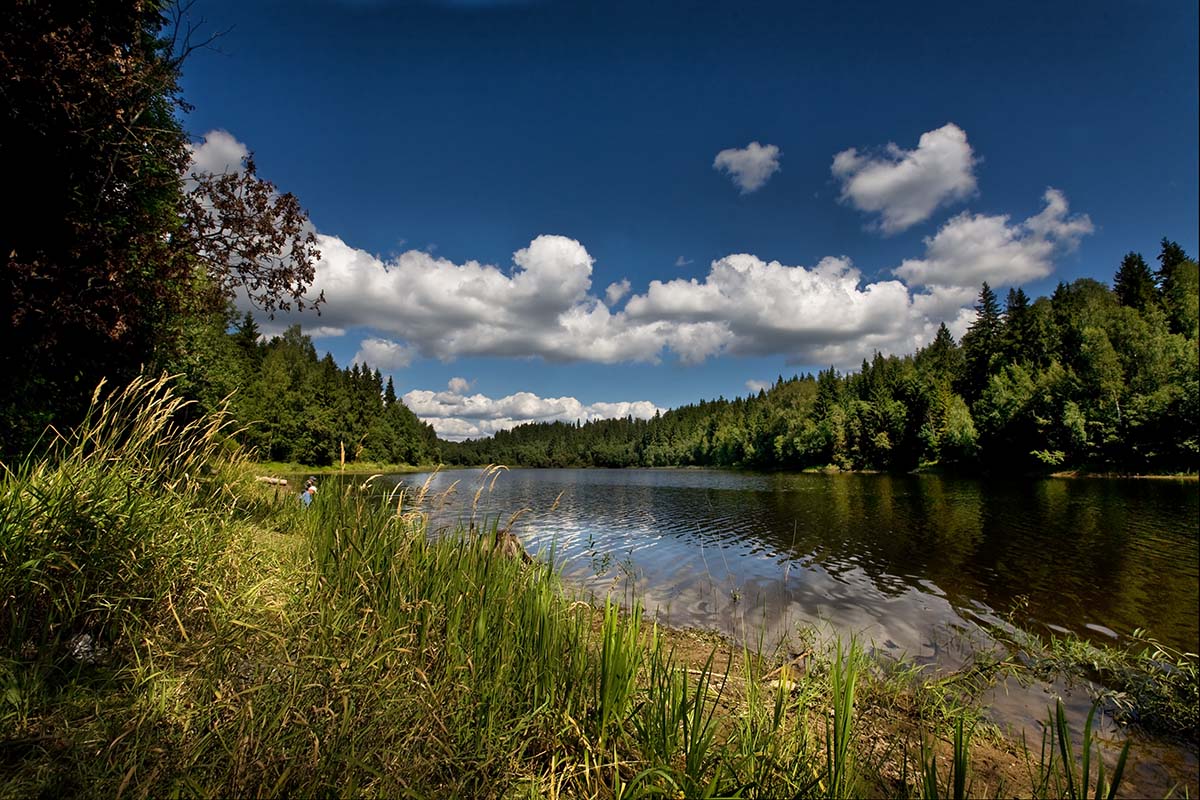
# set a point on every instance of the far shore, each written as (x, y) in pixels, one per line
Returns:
(375, 468)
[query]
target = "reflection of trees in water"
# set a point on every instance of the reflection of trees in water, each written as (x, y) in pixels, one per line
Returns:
(1107, 552)
(1118, 553)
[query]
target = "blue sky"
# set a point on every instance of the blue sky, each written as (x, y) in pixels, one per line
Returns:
(1021, 143)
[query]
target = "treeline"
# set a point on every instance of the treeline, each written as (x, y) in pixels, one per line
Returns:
(1088, 377)
(293, 406)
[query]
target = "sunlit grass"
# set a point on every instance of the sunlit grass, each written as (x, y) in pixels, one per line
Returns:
(243, 645)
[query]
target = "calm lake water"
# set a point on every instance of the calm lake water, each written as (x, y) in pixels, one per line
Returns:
(906, 561)
(917, 566)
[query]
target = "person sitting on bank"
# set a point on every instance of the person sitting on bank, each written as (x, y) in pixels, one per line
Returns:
(310, 491)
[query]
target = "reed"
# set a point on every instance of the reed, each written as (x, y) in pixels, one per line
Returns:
(1066, 778)
(108, 532)
(840, 767)
(257, 647)
(958, 786)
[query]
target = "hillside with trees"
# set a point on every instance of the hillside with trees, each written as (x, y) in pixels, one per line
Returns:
(1090, 377)
(296, 407)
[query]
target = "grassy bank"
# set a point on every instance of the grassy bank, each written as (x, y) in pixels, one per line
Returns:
(170, 628)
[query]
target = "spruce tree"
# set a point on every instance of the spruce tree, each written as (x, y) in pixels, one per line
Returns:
(1169, 257)
(1179, 288)
(1134, 283)
(1018, 324)
(981, 342)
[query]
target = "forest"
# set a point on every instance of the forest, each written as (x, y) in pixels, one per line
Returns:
(293, 407)
(1090, 377)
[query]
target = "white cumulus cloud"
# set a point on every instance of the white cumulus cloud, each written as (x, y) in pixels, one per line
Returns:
(457, 415)
(747, 306)
(384, 354)
(972, 248)
(749, 167)
(543, 305)
(757, 386)
(419, 305)
(906, 186)
(220, 152)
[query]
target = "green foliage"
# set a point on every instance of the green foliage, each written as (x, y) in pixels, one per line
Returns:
(114, 260)
(91, 283)
(957, 786)
(982, 343)
(296, 408)
(1148, 683)
(1066, 779)
(98, 537)
(354, 654)
(841, 774)
(1075, 380)
(1134, 283)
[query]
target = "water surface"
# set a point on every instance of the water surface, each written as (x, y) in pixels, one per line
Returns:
(917, 565)
(906, 561)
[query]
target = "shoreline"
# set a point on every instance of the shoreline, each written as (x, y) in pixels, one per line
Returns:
(406, 469)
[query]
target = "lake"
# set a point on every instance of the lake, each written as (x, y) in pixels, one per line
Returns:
(907, 561)
(917, 566)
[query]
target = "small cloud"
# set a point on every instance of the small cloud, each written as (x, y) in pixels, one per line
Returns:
(325, 332)
(750, 167)
(972, 248)
(757, 386)
(456, 415)
(431, 248)
(683, 262)
(616, 291)
(906, 186)
(459, 385)
(219, 153)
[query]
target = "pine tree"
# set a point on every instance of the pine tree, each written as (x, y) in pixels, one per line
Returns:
(1134, 283)
(1169, 257)
(943, 357)
(1018, 324)
(981, 342)
(1179, 288)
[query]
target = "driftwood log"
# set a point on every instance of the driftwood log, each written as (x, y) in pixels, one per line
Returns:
(272, 481)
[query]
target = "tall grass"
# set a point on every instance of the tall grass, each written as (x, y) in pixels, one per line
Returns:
(1058, 774)
(262, 648)
(957, 786)
(840, 769)
(108, 531)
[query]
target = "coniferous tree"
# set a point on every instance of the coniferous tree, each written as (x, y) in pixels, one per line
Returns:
(1134, 283)
(1018, 326)
(1170, 256)
(1179, 288)
(981, 342)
